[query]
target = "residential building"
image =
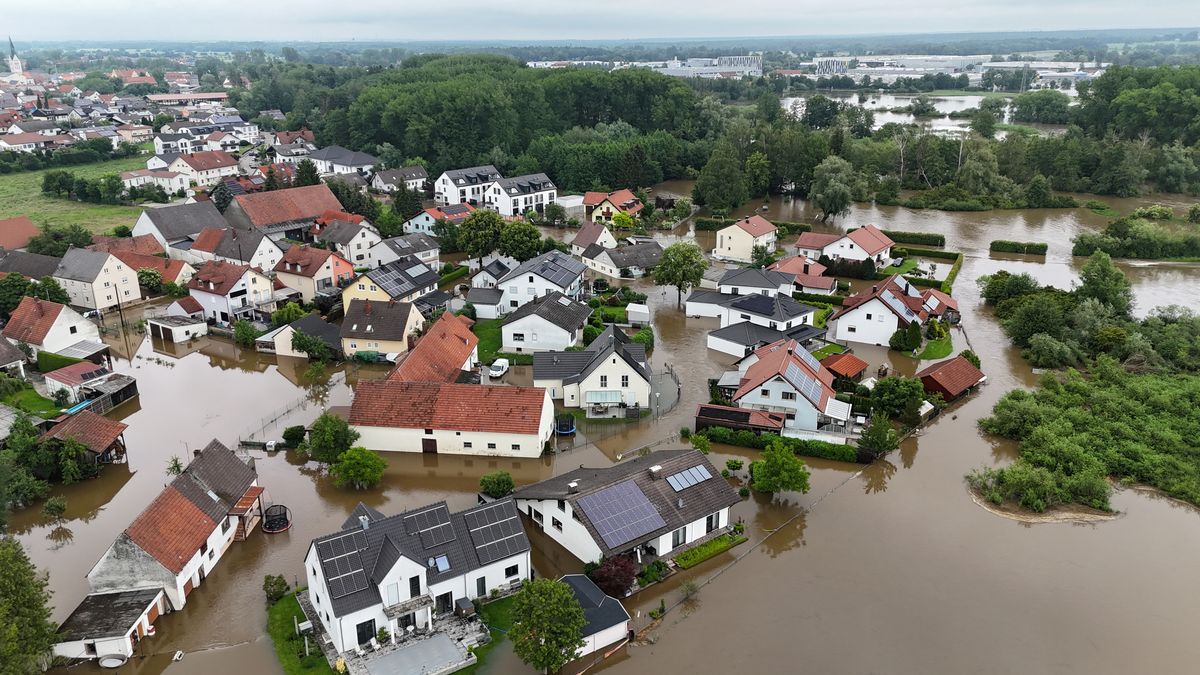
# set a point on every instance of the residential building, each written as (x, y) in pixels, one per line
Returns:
(207, 167)
(592, 232)
(808, 275)
(549, 272)
(178, 222)
(313, 271)
(845, 365)
(16, 232)
(48, 326)
(517, 196)
(447, 352)
(28, 265)
(606, 621)
(145, 244)
(871, 316)
(338, 160)
(173, 271)
(97, 280)
(398, 573)
(381, 327)
(738, 241)
(753, 281)
(350, 236)
(467, 186)
(610, 375)
(288, 213)
(231, 245)
(72, 378)
(229, 292)
(279, 340)
(174, 329)
(777, 312)
(135, 133)
(494, 268)
(549, 323)
(423, 247)
(865, 242)
(951, 378)
(659, 504)
(457, 419)
(170, 181)
(632, 261)
(411, 177)
(403, 280)
(783, 377)
(602, 206)
(425, 221)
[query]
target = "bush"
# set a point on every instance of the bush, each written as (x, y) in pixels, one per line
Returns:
(655, 571)
(807, 448)
(734, 464)
(275, 587)
(712, 547)
(590, 333)
(614, 575)
(685, 432)
(497, 484)
(700, 443)
(1193, 215)
(1006, 246)
(743, 492)
(820, 299)
(972, 357)
(923, 238)
(1154, 212)
(294, 436)
(468, 310)
(47, 362)
(645, 337)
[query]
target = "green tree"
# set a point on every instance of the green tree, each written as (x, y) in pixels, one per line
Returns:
(55, 507)
(547, 629)
(150, 279)
(406, 203)
(306, 174)
(25, 625)
(358, 468)
(479, 233)
(1193, 215)
(779, 470)
(275, 587)
(329, 438)
(55, 240)
(244, 333)
(972, 357)
(758, 174)
(820, 111)
(13, 287)
(48, 288)
(555, 214)
(1104, 281)
(18, 487)
(721, 184)
(221, 197)
(1037, 192)
(892, 396)
(622, 221)
(497, 484)
(174, 466)
(760, 257)
(682, 265)
(682, 209)
(290, 312)
(831, 192)
(271, 182)
(520, 240)
(983, 122)
(1044, 106)
(879, 437)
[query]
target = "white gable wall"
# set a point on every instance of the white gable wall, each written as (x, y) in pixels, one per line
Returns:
(573, 536)
(538, 335)
(871, 322)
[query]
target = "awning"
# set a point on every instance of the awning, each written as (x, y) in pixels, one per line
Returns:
(838, 410)
(602, 396)
(84, 349)
(247, 501)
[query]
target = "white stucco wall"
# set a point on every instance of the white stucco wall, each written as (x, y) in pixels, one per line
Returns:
(539, 336)
(805, 415)
(392, 439)
(574, 536)
(855, 326)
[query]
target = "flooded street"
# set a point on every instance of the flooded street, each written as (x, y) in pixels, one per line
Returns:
(885, 568)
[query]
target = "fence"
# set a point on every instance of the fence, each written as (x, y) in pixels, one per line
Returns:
(270, 419)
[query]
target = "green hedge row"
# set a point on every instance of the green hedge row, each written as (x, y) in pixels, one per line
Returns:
(749, 439)
(926, 253)
(926, 238)
(47, 362)
(818, 298)
(1006, 246)
(710, 548)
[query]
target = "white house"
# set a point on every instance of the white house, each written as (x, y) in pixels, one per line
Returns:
(551, 322)
(411, 177)
(549, 272)
(401, 572)
(96, 279)
(738, 241)
(610, 375)
(229, 292)
(353, 241)
(207, 167)
(623, 262)
(777, 312)
(873, 315)
(457, 419)
(72, 379)
(48, 326)
(658, 504)
(592, 232)
(495, 267)
(783, 377)
(338, 160)
(752, 281)
(169, 181)
(865, 242)
(606, 619)
(420, 246)
(464, 186)
(809, 274)
(520, 195)
(227, 244)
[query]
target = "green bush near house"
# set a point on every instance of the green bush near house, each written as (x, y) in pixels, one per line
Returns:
(47, 362)
(653, 572)
(644, 337)
(817, 298)
(289, 647)
(452, 276)
(807, 448)
(712, 547)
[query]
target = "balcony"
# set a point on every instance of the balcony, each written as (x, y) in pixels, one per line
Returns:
(408, 606)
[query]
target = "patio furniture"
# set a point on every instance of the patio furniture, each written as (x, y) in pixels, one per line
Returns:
(374, 645)
(359, 651)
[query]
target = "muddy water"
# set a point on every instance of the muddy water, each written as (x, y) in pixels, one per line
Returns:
(887, 568)
(883, 104)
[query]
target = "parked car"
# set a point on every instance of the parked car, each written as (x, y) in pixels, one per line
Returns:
(498, 368)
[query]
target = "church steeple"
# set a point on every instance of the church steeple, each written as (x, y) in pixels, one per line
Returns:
(12, 51)
(14, 61)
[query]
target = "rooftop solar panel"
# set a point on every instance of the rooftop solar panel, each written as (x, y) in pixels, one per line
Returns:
(495, 531)
(688, 477)
(621, 513)
(809, 360)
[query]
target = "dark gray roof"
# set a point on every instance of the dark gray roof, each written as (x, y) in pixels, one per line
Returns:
(699, 500)
(556, 308)
(642, 254)
(556, 267)
(408, 244)
(525, 185)
(9, 353)
(81, 264)
(355, 560)
(105, 615)
(168, 157)
(455, 210)
(351, 179)
(180, 221)
(396, 176)
(402, 276)
(240, 245)
(340, 232)
(32, 265)
(376, 320)
(360, 510)
(711, 297)
(431, 301)
(344, 156)
(572, 367)
(601, 611)
(484, 296)
(747, 334)
(497, 269)
(314, 326)
(755, 278)
(779, 307)
(473, 175)
(215, 480)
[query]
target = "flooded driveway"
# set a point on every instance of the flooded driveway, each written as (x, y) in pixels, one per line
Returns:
(885, 568)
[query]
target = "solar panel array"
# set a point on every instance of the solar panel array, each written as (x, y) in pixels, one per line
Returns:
(341, 560)
(621, 513)
(809, 360)
(433, 524)
(495, 531)
(897, 305)
(808, 387)
(688, 477)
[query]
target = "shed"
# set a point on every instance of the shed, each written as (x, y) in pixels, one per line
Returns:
(606, 619)
(951, 378)
(845, 365)
(108, 626)
(176, 328)
(730, 417)
(638, 314)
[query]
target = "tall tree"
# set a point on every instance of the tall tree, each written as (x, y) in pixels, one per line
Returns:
(758, 174)
(1104, 281)
(479, 233)
(682, 265)
(721, 184)
(358, 468)
(406, 203)
(779, 470)
(272, 181)
(306, 173)
(26, 631)
(330, 437)
(520, 240)
(831, 187)
(547, 630)
(221, 197)
(13, 287)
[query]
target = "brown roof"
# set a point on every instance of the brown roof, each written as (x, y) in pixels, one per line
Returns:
(208, 239)
(871, 239)
(76, 373)
(896, 286)
(289, 137)
(145, 244)
(304, 260)
(32, 320)
(16, 232)
(440, 354)
(172, 529)
(190, 305)
(208, 160)
(589, 234)
(221, 275)
(95, 432)
(283, 206)
(169, 269)
(780, 359)
(955, 375)
(816, 240)
(756, 225)
(456, 407)
(799, 266)
(846, 365)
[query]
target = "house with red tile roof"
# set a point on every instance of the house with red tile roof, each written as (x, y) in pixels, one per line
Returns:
(207, 167)
(592, 232)
(288, 213)
(447, 351)
(602, 206)
(457, 419)
(231, 245)
(845, 365)
(951, 378)
(175, 271)
(873, 314)
(103, 437)
(865, 242)
(423, 222)
(48, 326)
(809, 274)
(228, 292)
(72, 378)
(16, 232)
(783, 377)
(737, 241)
(313, 271)
(143, 244)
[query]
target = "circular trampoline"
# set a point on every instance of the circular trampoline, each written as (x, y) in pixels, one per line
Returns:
(276, 519)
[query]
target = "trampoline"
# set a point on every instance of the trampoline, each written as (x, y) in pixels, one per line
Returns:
(276, 519)
(564, 425)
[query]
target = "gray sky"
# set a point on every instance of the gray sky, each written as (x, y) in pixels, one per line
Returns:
(323, 20)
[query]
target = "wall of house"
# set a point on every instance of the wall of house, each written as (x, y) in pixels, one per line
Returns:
(53, 385)
(283, 344)
(465, 585)
(726, 346)
(518, 291)
(306, 285)
(124, 566)
(854, 326)
(695, 530)
(638, 391)
(597, 641)
(258, 290)
(802, 414)
(734, 243)
(573, 536)
(703, 309)
(69, 328)
(351, 346)
(116, 283)
(733, 289)
(422, 222)
(538, 334)
(358, 251)
(732, 315)
(183, 333)
(122, 644)
(554, 388)
(449, 442)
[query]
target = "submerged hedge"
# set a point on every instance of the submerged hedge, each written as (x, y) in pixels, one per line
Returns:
(925, 238)
(807, 448)
(1007, 246)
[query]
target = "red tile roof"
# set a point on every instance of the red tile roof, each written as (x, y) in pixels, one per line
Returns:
(945, 301)
(589, 234)
(799, 266)
(96, 432)
(845, 365)
(871, 239)
(289, 137)
(303, 260)
(208, 239)
(816, 240)
(440, 354)
(897, 286)
(222, 275)
(208, 160)
(454, 407)
(32, 320)
(144, 244)
(438, 214)
(622, 199)
(73, 375)
(189, 305)
(172, 529)
(756, 225)
(775, 360)
(953, 376)
(169, 269)
(283, 206)
(16, 232)
(331, 216)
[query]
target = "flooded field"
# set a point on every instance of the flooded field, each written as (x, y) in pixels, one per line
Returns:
(885, 568)
(883, 104)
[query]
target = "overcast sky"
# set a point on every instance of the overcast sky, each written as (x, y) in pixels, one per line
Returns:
(323, 20)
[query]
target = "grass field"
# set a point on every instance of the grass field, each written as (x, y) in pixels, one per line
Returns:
(21, 195)
(937, 349)
(33, 403)
(498, 616)
(289, 648)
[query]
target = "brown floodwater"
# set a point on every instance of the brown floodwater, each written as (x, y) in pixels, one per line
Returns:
(885, 568)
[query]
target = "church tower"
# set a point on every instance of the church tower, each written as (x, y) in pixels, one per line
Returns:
(14, 61)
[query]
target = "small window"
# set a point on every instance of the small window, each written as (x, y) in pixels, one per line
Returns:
(466, 444)
(224, 525)
(851, 329)
(624, 381)
(510, 572)
(429, 432)
(603, 381)
(491, 446)
(868, 316)
(516, 446)
(789, 396)
(74, 330)
(765, 393)
(562, 505)
(556, 524)
(518, 337)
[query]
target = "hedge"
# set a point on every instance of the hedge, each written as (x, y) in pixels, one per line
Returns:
(926, 238)
(47, 362)
(454, 274)
(709, 224)
(817, 297)
(710, 548)
(749, 439)
(927, 253)
(1006, 246)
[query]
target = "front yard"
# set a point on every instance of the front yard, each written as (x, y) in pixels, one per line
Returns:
(498, 617)
(937, 349)
(33, 403)
(289, 647)
(491, 340)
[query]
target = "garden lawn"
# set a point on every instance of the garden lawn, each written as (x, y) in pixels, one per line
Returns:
(21, 195)
(491, 340)
(613, 314)
(281, 629)
(828, 350)
(909, 264)
(33, 403)
(937, 349)
(822, 317)
(498, 616)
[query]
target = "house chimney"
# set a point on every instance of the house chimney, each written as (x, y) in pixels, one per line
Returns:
(365, 522)
(680, 502)
(367, 307)
(573, 487)
(655, 471)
